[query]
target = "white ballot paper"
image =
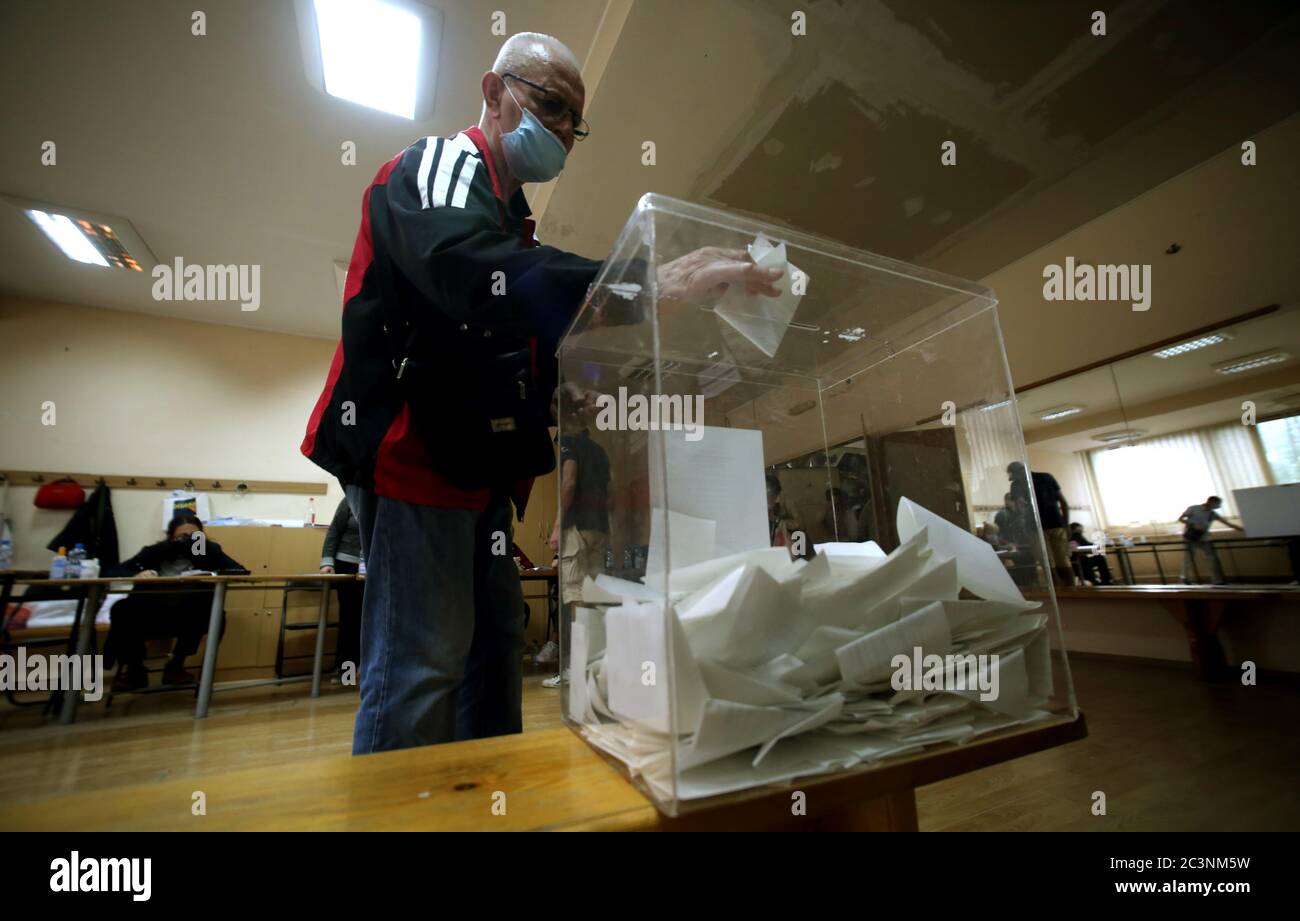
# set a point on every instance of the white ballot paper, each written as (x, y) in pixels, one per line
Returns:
(978, 566)
(718, 503)
(783, 668)
(761, 319)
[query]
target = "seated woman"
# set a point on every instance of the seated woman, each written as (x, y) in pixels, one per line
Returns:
(145, 614)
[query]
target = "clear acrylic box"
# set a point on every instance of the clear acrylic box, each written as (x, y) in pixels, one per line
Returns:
(715, 638)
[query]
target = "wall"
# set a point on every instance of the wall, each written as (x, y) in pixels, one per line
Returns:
(1265, 633)
(136, 394)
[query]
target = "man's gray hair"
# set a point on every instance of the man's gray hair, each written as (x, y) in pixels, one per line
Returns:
(523, 50)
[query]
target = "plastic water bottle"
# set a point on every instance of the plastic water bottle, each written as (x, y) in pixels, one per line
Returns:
(78, 554)
(59, 565)
(6, 555)
(309, 519)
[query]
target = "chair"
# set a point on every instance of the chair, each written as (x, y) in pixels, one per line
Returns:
(285, 626)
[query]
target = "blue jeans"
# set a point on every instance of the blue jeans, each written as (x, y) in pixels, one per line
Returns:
(442, 624)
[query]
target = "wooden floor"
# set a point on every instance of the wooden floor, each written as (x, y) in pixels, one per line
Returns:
(1168, 751)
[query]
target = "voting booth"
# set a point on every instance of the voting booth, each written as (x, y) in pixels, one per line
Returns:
(709, 643)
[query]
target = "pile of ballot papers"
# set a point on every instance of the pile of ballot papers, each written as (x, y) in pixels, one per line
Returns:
(756, 667)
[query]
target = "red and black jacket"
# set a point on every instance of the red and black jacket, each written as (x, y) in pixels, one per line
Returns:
(434, 234)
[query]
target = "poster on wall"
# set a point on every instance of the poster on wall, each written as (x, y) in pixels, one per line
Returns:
(180, 502)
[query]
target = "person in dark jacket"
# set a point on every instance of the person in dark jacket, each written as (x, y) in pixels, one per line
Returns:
(341, 553)
(146, 614)
(447, 288)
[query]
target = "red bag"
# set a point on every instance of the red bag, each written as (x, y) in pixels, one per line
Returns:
(65, 494)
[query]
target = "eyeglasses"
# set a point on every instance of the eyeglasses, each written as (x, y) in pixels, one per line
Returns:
(554, 107)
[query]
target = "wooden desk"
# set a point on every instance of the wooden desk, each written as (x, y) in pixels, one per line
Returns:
(83, 629)
(1198, 610)
(551, 780)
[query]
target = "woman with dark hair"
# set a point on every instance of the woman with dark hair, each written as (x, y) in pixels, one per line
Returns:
(146, 614)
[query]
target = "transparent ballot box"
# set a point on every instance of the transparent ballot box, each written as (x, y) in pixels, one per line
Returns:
(786, 543)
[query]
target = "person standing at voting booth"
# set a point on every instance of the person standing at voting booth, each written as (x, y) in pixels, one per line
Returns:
(434, 412)
(1196, 521)
(1053, 515)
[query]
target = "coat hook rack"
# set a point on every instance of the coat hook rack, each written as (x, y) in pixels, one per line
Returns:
(236, 485)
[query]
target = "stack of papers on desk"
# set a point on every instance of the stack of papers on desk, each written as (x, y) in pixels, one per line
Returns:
(770, 668)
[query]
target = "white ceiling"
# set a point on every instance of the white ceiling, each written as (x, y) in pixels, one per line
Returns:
(218, 150)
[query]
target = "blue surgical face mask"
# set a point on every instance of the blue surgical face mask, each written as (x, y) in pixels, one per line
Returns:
(533, 153)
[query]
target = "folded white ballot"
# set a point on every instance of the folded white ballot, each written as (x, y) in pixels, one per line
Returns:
(762, 319)
(637, 668)
(978, 568)
(744, 620)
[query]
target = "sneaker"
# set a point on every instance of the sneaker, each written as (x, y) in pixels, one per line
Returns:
(549, 655)
(557, 680)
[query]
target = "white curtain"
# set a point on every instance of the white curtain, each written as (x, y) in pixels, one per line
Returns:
(1153, 481)
(987, 442)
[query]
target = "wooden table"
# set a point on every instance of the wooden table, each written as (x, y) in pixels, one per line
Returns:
(1198, 610)
(83, 628)
(551, 780)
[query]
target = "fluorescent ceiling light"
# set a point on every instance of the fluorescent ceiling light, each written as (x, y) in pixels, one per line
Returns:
(370, 53)
(1060, 412)
(993, 406)
(1192, 345)
(1250, 362)
(84, 239)
(1121, 435)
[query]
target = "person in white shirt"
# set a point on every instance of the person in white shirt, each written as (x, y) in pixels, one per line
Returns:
(1196, 538)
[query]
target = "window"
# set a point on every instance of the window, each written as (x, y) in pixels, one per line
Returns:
(1153, 481)
(1281, 441)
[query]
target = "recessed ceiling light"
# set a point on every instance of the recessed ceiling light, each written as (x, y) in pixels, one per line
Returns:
(1121, 435)
(376, 54)
(1060, 412)
(1192, 345)
(1250, 362)
(83, 238)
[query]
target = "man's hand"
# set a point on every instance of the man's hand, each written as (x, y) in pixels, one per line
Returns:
(705, 275)
(327, 569)
(554, 542)
(147, 574)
